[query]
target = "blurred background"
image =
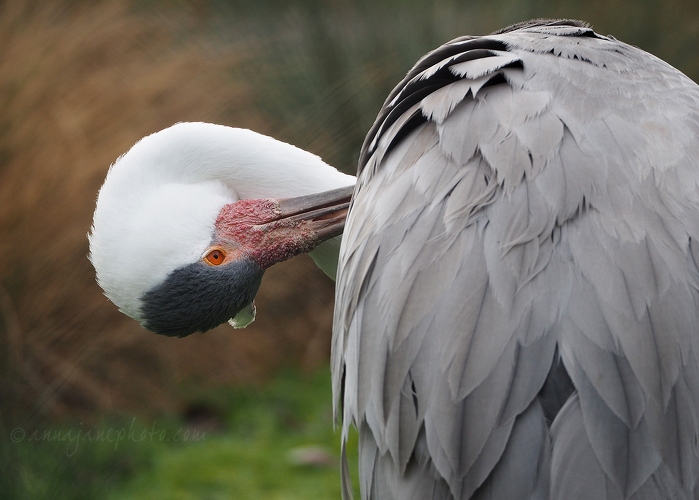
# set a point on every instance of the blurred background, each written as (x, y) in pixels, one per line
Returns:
(93, 406)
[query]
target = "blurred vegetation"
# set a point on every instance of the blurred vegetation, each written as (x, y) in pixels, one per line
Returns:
(80, 82)
(265, 442)
(273, 442)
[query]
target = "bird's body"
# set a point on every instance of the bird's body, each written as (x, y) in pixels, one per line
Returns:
(517, 290)
(516, 308)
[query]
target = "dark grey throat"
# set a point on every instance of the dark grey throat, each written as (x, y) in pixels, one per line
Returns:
(198, 297)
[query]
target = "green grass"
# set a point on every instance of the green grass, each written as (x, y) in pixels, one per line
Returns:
(70, 461)
(252, 458)
(244, 449)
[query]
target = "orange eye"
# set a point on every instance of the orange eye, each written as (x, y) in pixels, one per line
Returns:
(215, 257)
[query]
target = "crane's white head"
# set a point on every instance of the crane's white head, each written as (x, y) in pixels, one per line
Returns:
(188, 219)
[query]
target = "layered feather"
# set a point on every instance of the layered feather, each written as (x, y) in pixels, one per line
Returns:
(525, 199)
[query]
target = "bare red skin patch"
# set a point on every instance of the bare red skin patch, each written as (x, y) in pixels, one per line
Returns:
(262, 236)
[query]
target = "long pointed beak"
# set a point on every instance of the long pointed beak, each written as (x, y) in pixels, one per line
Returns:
(323, 213)
(273, 230)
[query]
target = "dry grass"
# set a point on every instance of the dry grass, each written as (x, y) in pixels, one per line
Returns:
(79, 85)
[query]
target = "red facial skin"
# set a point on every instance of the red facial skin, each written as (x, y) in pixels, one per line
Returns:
(255, 230)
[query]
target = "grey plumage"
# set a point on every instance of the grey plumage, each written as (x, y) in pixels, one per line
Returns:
(516, 310)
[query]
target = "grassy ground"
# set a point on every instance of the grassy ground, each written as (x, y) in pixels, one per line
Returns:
(274, 442)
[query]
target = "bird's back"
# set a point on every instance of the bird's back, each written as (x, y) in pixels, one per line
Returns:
(516, 310)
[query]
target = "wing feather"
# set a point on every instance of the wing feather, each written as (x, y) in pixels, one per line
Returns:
(524, 196)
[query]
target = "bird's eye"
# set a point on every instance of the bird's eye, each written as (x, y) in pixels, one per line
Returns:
(215, 257)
